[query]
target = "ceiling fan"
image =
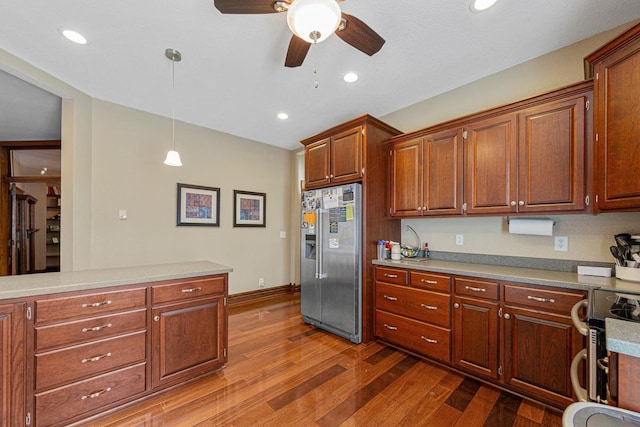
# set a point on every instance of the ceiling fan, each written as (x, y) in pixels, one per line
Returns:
(311, 21)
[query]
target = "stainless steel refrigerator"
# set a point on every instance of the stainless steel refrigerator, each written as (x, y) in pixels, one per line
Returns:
(331, 261)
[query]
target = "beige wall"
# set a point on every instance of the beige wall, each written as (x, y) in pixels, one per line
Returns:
(589, 236)
(112, 159)
(129, 147)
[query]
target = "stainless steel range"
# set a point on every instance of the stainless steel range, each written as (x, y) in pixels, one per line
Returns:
(602, 304)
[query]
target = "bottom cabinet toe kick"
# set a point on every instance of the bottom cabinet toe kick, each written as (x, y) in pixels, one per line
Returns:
(503, 333)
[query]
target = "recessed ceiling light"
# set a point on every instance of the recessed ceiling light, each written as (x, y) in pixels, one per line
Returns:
(283, 116)
(481, 5)
(72, 35)
(350, 77)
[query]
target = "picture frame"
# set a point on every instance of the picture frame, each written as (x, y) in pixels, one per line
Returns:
(198, 205)
(249, 209)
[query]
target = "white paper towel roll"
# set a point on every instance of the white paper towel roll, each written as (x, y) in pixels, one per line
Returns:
(537, 227)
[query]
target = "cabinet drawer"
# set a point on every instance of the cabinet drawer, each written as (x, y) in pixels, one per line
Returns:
(70, 364)
(430, 282)
(188, 289)
(391, 275)
(66, 308)
(85, 330)
(421, 305)
(476, 288)
(56, 406)
(413, 335)
(547, 300)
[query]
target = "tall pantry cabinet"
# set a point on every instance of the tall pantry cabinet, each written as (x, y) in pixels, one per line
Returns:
(354, 152)
(617, 107)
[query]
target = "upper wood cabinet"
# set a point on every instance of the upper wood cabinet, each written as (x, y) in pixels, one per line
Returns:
(335, 160)
(490, 154)
(532, 160)
(528, 157)
(426, 175)
(617, 108)
(339, 155)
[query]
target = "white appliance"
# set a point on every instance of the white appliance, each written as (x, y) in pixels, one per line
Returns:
(589, 414)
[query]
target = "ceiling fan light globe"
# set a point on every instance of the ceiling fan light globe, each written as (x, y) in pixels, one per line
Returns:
(313, 20)
(173, 159)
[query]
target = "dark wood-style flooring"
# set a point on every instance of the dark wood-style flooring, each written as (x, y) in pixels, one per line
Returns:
(283, 372)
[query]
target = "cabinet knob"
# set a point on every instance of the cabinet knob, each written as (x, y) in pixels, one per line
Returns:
(156, 318)
(507, 316)
(419, 208)
(456, 305)
(331, 176)
(521, 203)
(513, 203)
(326, 177)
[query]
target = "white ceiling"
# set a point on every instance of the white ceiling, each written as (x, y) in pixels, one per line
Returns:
(232, 76)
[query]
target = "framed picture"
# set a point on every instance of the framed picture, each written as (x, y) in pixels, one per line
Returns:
(249, 209)
(198, 205)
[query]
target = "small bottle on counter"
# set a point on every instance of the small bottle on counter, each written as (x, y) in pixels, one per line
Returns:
(381, 249)
(427, 252)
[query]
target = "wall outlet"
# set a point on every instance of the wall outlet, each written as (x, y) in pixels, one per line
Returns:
(283, 234)
(561, 243)
(459, 239)
(261, 282)
(122, 214)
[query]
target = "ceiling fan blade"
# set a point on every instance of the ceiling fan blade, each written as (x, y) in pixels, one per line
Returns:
(246, 6)
(360, 35)
(297, 51)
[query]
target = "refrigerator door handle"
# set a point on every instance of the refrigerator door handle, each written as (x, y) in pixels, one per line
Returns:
(320, 274)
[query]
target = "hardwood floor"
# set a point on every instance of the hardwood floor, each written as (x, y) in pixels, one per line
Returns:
(282, 372)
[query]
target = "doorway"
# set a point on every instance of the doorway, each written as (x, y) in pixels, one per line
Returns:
(31, 206)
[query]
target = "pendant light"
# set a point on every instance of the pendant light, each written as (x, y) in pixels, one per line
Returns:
(173, 157)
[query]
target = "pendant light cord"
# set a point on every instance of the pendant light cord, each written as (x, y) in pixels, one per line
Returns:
(173, 103)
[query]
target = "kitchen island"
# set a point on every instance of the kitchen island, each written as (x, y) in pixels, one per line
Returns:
(77, 344)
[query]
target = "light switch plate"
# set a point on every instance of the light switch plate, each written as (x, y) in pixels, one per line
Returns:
(283, 234)
(122, 214)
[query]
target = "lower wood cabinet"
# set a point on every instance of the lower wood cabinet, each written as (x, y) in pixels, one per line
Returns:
(187, 340)
(13, 367)
(70, 356)
(517, 336)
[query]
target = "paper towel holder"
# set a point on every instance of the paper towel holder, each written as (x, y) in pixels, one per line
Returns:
(541, 219)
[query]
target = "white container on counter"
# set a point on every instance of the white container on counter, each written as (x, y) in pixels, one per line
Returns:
(395, 252)
(627, 273)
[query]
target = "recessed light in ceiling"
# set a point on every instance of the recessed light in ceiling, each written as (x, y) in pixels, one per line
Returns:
(350, 77)
(73, 35)
(283, 116)
(481, 5)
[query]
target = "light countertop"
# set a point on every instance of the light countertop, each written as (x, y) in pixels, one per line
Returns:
(48, 283)
(623, 337)
(558, 279)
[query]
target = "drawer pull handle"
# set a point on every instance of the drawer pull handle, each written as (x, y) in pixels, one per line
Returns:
(189, 290)
(97, 328)
(429, 307)
(393, 328)
(429, 340)
(431, 282)
(471, 288)
(540, 299)
(96, 394)
(96, 358)
(391, 276)
(390, 298)
(97, 304)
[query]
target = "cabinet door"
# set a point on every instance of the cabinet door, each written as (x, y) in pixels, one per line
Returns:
(188, 340)
(538, 350)
(617, 99)
(443, 163)
(490, 165)
(475, 336)
(406, 179)
(316, 163)
(346, 156)
(551, 157)
(12, 358)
